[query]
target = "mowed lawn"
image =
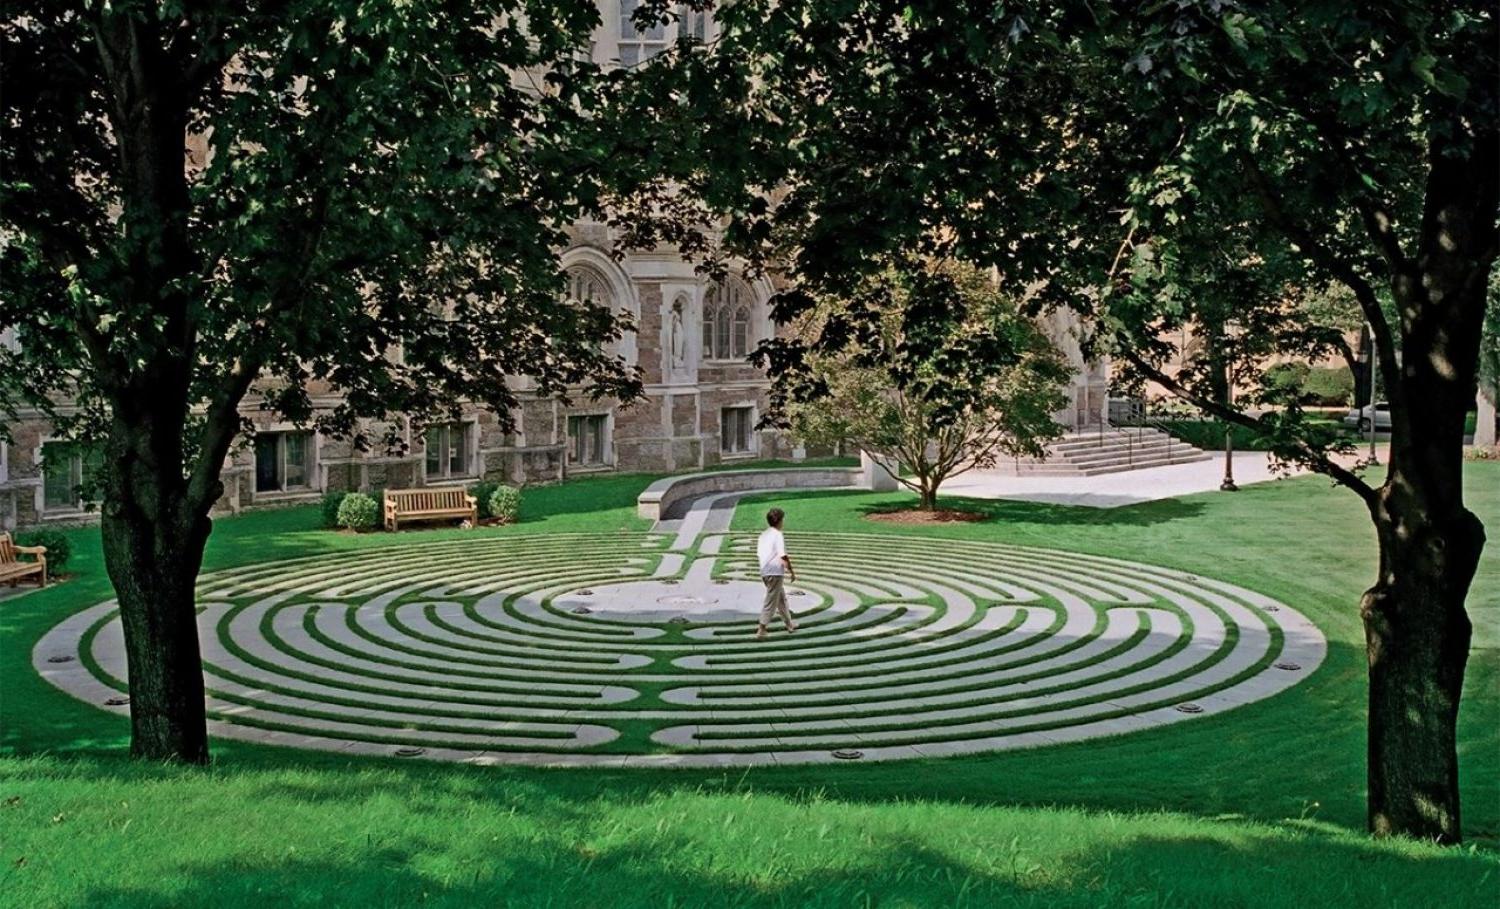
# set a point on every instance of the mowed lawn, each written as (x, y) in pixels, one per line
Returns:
(1262, 806)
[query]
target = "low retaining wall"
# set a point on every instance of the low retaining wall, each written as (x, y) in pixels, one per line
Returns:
(667, 498)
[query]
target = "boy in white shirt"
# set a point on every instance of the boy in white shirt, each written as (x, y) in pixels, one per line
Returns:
(775, 564)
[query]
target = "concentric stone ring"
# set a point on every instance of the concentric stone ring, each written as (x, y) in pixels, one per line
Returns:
(477, 649)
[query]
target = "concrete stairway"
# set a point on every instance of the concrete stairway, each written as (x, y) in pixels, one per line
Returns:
(1092, 452)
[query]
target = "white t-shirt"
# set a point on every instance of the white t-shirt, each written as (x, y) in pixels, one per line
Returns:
(771, 548)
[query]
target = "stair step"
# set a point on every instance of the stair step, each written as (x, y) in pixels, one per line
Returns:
(1112, 451)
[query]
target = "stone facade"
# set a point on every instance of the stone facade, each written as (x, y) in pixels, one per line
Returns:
(701, 403)
(680, 424)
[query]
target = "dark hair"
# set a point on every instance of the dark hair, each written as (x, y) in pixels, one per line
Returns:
(774, 516)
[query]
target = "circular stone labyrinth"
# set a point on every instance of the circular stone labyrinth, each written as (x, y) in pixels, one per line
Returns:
(614, 649)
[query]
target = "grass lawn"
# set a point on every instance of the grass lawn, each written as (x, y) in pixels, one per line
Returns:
(1260, 806)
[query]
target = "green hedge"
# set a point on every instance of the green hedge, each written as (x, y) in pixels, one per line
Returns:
(1209, 435)
(59, 550)
(1318, 386)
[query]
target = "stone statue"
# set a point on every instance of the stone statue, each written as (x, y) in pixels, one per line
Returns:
(676, 340)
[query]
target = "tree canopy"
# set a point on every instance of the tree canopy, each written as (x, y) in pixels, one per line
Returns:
(366, 199)
(1139, 164)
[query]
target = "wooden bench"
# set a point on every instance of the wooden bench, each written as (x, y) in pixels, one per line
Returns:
(12, 569)
(429, 505)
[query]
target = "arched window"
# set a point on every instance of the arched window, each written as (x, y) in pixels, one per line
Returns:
(727, 334)
(710, 320)
(587, 286)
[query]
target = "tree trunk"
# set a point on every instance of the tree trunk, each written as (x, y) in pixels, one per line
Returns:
(153, 549)
(1417, 640)
(154, 569)
(927, 495)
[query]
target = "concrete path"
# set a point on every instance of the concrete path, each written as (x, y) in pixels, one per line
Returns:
(1113, 490)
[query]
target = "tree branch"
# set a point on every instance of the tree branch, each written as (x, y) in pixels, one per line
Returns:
(1315, 459)
(1364, 293)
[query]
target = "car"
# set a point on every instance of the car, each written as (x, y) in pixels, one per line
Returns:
(1359, 417)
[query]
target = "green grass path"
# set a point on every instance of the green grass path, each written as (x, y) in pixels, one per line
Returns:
(1262, 806)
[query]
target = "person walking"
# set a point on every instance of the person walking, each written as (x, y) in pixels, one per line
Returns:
(775, 567)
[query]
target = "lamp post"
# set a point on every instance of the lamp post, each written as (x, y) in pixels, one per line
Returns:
(1231, 331)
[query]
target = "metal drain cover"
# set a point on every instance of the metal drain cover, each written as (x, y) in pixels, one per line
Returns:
(585, 592)
(1189, 708)
(60, 658)
(1289, 667)
(678, 620)
(848, 754)
(116, 702)
(581, 610)
(410, 751)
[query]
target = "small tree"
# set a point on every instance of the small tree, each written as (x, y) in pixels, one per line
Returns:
(952, 377)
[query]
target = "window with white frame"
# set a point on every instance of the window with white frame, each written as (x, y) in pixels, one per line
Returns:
(639, 45)
(283, 461)
(588, 440)
(727, 333)
(736, 430)
(66, 466)
(447, 446)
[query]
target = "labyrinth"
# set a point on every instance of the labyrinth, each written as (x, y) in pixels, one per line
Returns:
(617, 649)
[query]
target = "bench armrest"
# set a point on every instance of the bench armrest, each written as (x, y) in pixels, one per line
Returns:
(32, 550)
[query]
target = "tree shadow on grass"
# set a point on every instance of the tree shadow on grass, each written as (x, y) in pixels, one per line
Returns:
(602, 865)
(994, 511)
(1016, 511)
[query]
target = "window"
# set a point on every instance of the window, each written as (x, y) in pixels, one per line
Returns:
(283, 461)
(65, 467)
(726, 321)
(637, 46)
(587, 440)
(587, 286)
(692, 25)
(736, 428)
(448, 450)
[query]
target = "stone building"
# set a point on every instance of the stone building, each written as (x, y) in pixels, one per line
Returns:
(701, 404)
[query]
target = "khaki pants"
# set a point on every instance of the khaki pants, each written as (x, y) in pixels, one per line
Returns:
(775, 600)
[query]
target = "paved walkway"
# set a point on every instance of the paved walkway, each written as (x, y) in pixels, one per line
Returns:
(1112, 490)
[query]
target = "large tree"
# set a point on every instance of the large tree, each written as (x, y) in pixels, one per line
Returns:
(201, 199)
(1078, 145)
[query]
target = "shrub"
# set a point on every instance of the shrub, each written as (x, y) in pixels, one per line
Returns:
(505, 504)
(1287, 377)
(1331, 387)
(330, 508)
(482, 491)
(59, 550)
(359, 512)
